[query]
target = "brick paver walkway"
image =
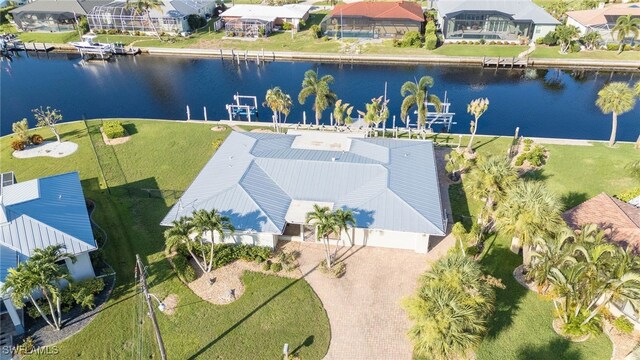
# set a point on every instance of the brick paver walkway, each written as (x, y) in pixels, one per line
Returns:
(367, 321)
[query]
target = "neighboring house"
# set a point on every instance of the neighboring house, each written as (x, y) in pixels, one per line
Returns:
(38, 213)
(602, 19)
(247, 20)
(172, 17)
(267, 183)
(621, 223)
(373, 20)
(501, 20)
(52, 15)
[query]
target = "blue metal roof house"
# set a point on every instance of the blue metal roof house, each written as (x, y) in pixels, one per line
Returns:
(266, 183)
(38, 213)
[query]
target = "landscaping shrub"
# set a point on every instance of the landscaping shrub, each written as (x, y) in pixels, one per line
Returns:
(36, 139)
(216, 143)
(18, 145)
(26, 347)
(629, 194)
(276, 267)
(337, 270)
(575, 47)
(409, 39)
(196, 21)
(623, 325)
(550, 39)
(266, 266)
(83, 292)
(482, 41)
(288, 260)
(113, 129)
(97, 258)
(83, 25)
(183, 268)
(287, 26)
(431, 41)
(224, 254)
(316, 31)
(430, 28)
(20, 130)
(535, 157)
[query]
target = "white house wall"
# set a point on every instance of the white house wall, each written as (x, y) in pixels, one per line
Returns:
(256, 239)
(581, 28)
(383, 238)
(82, 268)
(541, 31)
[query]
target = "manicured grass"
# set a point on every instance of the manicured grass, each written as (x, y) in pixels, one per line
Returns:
(521, 326)
(50, 38)
(552, 52)
(168, 155)
(386, 47)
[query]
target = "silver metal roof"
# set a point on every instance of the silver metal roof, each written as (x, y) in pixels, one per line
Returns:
(254, 177)
(517, 9)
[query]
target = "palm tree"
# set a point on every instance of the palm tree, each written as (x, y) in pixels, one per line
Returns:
(211, 222)
(342, 113)
(181, 232)
(616, 98)
(377, 112)
(344, 219)
(476, 108)
(625, 26)
(40, 272)
(279, 102)
(592, 39)
(417, 94)
(318, 87)
(527, 211)
(488, 181)
(550, 252)
(325, 223)
(450, 309)
(566, 34)
(141, 7)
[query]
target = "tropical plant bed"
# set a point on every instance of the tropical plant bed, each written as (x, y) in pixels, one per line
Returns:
(557, 327)
(114, 141)
(72, 321)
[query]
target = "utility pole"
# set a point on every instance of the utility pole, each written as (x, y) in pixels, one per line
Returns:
(152, 314)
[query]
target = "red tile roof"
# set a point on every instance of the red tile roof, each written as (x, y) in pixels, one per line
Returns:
(620, 220)
(381, 10)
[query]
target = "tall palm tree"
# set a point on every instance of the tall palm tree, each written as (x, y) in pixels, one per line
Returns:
(40, 272)
(616, 98)
(181, 232)
(550, 252)
(345, 220)
(488, 181)
(342, 113)
(211, 223)
(450, 309)
(279, 102)
(325, 223)
(527, 211)
(476, 108)
(144, 7)
(318, 87)
(417, 94)
(625, 26)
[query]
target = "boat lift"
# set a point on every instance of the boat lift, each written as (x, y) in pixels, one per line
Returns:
(241, 109)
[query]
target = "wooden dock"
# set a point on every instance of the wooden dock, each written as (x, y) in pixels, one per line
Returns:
(31, 46)
(504, 63)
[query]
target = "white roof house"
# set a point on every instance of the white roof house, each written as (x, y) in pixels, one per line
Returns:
(602, 19)
(41, 212)
(266, 183)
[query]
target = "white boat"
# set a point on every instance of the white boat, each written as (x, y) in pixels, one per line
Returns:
(89, 46)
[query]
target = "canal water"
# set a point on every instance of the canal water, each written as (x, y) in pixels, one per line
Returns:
(544, 103)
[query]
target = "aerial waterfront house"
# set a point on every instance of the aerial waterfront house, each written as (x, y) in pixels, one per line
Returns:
(621, 223)
(500, 20)
(373, 20)
(247, 20)
(267, 183)
(602, 19)
(38, 213)
(52, 15)
(170, 18)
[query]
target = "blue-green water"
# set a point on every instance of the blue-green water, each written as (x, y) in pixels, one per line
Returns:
(548, 103)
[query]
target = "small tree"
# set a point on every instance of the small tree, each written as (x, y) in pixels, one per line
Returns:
(476, 108)
(591, 40)
(566, 34)
(21, 129)
(326, 224)
(377, 112)
(342, 113)
(48, 117)
(211, 222)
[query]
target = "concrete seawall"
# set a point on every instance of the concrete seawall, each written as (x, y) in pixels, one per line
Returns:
(266, 56)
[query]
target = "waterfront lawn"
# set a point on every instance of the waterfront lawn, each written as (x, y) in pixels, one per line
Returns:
(552, 52)
(50, 38)
(168, 155)
(521, 326)
(386, 47)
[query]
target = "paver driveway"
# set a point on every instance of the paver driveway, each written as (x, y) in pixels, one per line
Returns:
(367, 321)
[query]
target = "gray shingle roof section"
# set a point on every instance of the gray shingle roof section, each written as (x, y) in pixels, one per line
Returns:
(517, 9)
(389, 184)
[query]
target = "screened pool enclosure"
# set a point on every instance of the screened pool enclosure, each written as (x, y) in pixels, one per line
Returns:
(485, 25)
(118, 16)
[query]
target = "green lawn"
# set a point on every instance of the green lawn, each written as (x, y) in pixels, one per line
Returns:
(552, 52)
(521, 327)
(386, 47)
(50, 38)
(168, 155)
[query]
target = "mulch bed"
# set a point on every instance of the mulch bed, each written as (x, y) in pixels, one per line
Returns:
(72, 322)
